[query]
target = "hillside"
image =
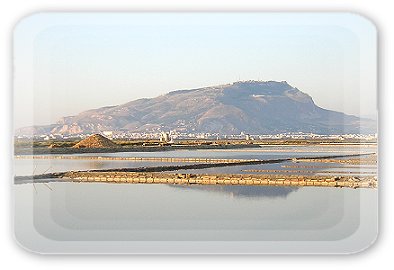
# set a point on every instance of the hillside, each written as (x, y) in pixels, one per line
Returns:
(253, 107)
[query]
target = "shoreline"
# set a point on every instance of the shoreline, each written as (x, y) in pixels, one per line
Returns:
(158, 174)
(255, 146)
(207, 179)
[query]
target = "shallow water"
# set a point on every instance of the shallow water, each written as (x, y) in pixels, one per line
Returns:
(101, 211)
(39, 166)
(93, 211)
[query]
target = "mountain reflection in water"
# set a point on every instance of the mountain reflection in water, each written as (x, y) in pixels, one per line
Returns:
(243, 191)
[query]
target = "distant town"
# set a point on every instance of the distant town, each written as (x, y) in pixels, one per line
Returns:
(172, 136)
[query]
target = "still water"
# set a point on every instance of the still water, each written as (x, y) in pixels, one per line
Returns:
(100, 211)
(39, 166)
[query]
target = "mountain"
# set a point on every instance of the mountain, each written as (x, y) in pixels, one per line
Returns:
(253, 107)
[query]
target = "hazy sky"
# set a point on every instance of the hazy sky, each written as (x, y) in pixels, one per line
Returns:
(66, 63)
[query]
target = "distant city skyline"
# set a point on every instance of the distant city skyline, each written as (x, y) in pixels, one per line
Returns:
(66, 63)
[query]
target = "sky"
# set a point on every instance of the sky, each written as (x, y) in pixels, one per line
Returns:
(66, 63)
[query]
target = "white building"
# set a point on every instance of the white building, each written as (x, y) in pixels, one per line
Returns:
(108, 134)
(165, 137)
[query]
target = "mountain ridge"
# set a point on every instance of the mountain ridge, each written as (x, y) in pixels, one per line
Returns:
(255, 107)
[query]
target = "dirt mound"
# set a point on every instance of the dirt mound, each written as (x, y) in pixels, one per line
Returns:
(96, 141)
(53, 145)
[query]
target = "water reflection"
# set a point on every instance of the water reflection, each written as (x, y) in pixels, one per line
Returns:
(243, 191)
(122, 212)
(96, 165)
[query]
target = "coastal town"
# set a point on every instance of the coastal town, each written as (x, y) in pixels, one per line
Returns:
(173, 136)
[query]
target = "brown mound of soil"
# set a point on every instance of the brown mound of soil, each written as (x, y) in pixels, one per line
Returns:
(53, 146)
(96, 141)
